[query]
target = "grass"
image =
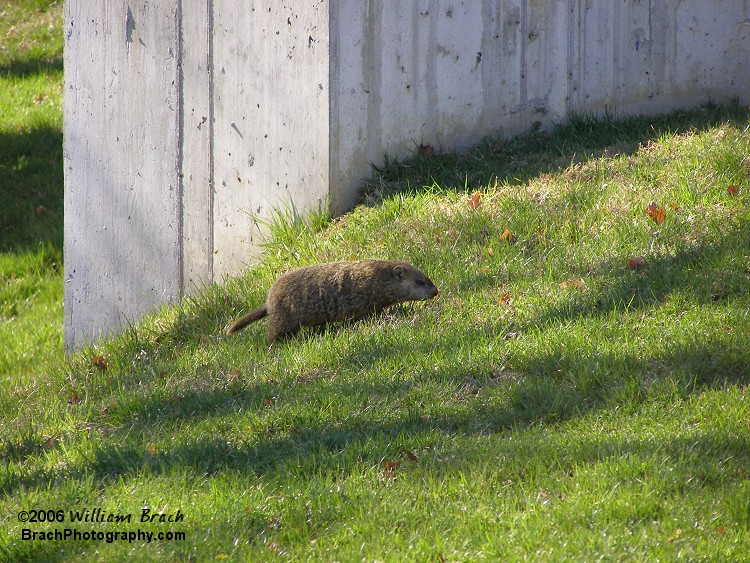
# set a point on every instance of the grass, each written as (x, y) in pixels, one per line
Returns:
(31, 215)
(577, 392)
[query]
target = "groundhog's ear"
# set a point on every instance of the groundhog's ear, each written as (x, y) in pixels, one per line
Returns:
(398, 271)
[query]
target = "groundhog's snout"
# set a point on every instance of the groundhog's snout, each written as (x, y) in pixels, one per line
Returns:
(427, 289)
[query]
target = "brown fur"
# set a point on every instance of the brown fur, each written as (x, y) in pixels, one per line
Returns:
(337, 291)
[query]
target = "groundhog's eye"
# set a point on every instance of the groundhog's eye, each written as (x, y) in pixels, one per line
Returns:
(420, 281)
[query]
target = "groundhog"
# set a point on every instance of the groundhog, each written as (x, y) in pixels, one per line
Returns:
(337, 291)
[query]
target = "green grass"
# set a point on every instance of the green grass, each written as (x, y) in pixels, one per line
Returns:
(553, 404)
(31, 215)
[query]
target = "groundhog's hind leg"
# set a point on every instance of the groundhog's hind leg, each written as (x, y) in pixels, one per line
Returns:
(280, 327)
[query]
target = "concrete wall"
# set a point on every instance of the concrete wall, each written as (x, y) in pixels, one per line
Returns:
(186, 120)
(121, 144)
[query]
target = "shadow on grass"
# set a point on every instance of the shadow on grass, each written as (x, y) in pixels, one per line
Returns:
(32, 172)
(517, 161)
(551, 387)
(543, 393)
(714, 272)
(22, 68)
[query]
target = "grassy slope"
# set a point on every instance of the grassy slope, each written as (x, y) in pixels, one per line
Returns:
(31, 215)
(553, 403)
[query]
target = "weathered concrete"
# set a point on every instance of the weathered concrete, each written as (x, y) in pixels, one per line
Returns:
(122, 200)
(187, 121)
(270, 102)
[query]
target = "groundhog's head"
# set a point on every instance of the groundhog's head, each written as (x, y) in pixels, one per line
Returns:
(414, 284)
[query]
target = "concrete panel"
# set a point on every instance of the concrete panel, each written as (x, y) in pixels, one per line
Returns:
(195, 146)
(650, 57)
(271, 120)
(122, 223)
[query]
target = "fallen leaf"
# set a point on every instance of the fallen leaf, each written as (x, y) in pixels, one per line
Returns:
(390, 467)
(677, 534)
(733, 190)
(504, 298)
(507, 236)
(490, 252)
(426, 150)
(99, 362)
(675, 206)
(655, 212)
(578, 284)
(234, 375)
(39, 99)
(74, 398)
(635, 263)
(409, 455)
(475, 200)
(151, 448)
(49, 443)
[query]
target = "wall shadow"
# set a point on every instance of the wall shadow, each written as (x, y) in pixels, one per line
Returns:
(518, 160)
(22, 68)
(538, 395)
(31, 167)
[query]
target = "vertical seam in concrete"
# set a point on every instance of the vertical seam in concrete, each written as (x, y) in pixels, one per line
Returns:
(616, 37)
(211, 134)
(571, 53)
(373, 55)
(333, 116)
(180, 86)
(524, 94)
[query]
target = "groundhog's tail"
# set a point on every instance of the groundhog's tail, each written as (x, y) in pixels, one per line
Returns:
(251, 317)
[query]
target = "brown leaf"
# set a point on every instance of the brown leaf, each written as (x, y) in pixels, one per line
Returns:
(677, 534)
(577, 284)
(99, 362)
(655, 212)
(426, 150)
(733, 190)
(504, 298)
(409, 455)
(490, 252)
(151, 448)
(507, 236)
(675, 206)
(636, 263)
(475, 200)
(74, 398)
(390, 467)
